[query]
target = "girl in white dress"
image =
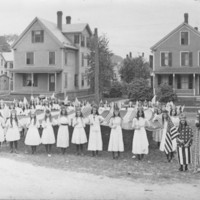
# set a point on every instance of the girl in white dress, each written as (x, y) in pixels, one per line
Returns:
(12, 133)
(79, 136)
(2, 125)
(33, 137)
(157, 134)
(63, 131)
(95, 139)
(48, 137)
(116, 144)
(140, 145)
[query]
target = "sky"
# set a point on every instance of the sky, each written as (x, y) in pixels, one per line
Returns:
(130, 25)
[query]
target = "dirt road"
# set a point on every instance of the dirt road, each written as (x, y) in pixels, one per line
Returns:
(20, 180)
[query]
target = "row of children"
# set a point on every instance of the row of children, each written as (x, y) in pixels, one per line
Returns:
(140, 144)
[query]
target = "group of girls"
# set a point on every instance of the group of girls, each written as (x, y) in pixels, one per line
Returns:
(10, 131)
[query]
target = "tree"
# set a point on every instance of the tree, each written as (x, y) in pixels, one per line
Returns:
(105, 64)
(139, 89)
(134, 68)
(166, 94)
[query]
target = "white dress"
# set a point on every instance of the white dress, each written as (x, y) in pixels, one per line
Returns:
(157, 134)
(48, 136)
(162, 144)
(116, 137)
(33, 136)
(95, 138)
(175, 121)
(12, 133)
(140, 143)
(63, 132)
(2, 124)
(79, 135)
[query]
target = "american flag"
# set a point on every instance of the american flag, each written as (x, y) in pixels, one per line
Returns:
(86, 111)
(170, 135)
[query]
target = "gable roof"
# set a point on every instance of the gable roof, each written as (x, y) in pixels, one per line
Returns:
(52, 29)
(173, 32)
(8, 56)
(73, 28)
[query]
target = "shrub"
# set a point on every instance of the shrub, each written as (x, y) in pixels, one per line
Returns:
(139, 89)
(116, 90)
(166, 93)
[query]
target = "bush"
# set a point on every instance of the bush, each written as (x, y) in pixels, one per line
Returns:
(139, 89)
(116, 90)
(166, 94)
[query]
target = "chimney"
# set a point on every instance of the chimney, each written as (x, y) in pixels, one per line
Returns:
(68, 20)
(59, 20)
(186, 18)
(126, 56)
(130, 55)
(196, 28)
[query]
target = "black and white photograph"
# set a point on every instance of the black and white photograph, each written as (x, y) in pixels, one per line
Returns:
(99, 99)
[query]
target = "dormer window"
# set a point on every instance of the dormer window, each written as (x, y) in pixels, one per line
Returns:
(38, 36)
(184, 38)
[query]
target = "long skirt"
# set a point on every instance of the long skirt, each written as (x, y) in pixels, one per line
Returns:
(33, 137)
(63, 136)
(140, 143)
(79, 136)
(12, 134)
(2, 137)
(95, 139)
(184, 155)
(48, 136)
(116, 140)
(157, 135)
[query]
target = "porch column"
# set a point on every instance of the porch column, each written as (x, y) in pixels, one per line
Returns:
(174, 84)
(13, 80)
(32, 82)
(194, 85)
(55, 82)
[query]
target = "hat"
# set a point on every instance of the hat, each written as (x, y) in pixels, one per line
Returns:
(78, 108)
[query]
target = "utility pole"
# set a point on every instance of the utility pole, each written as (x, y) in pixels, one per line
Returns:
(96, 49)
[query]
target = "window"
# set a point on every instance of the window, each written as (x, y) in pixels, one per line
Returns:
(1, 62)
(27, 80)
(52, 58)
(82, 79)
(82, 59)
(29, 58)
(37, 36)
(76, 80)
(76, 39)
(82, 41)
(184, 38)
(88, 81)
(66, 57)
(88, 60)
(66, 80)
(166, 59)
(184, 82)
(186, 59)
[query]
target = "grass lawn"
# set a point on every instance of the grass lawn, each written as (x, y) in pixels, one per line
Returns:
(154, 168)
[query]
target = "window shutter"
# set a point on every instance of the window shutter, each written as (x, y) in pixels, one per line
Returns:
(178, 82)
(24, 79)
(170, 59)
(42, 36)
(162, 59)
(35, 80)
(151, 61)
(170, 81)
(186, 38)
(190, 81)
(33, 37)
(190, 59)
(182, 59)
(159, 79)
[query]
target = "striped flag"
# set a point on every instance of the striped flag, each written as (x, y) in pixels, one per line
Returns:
(170, 135)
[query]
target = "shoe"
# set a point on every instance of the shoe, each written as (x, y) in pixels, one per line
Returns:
(49, 155)
(16, 152)
(133, 156)
(180, 169)
(11, 151)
